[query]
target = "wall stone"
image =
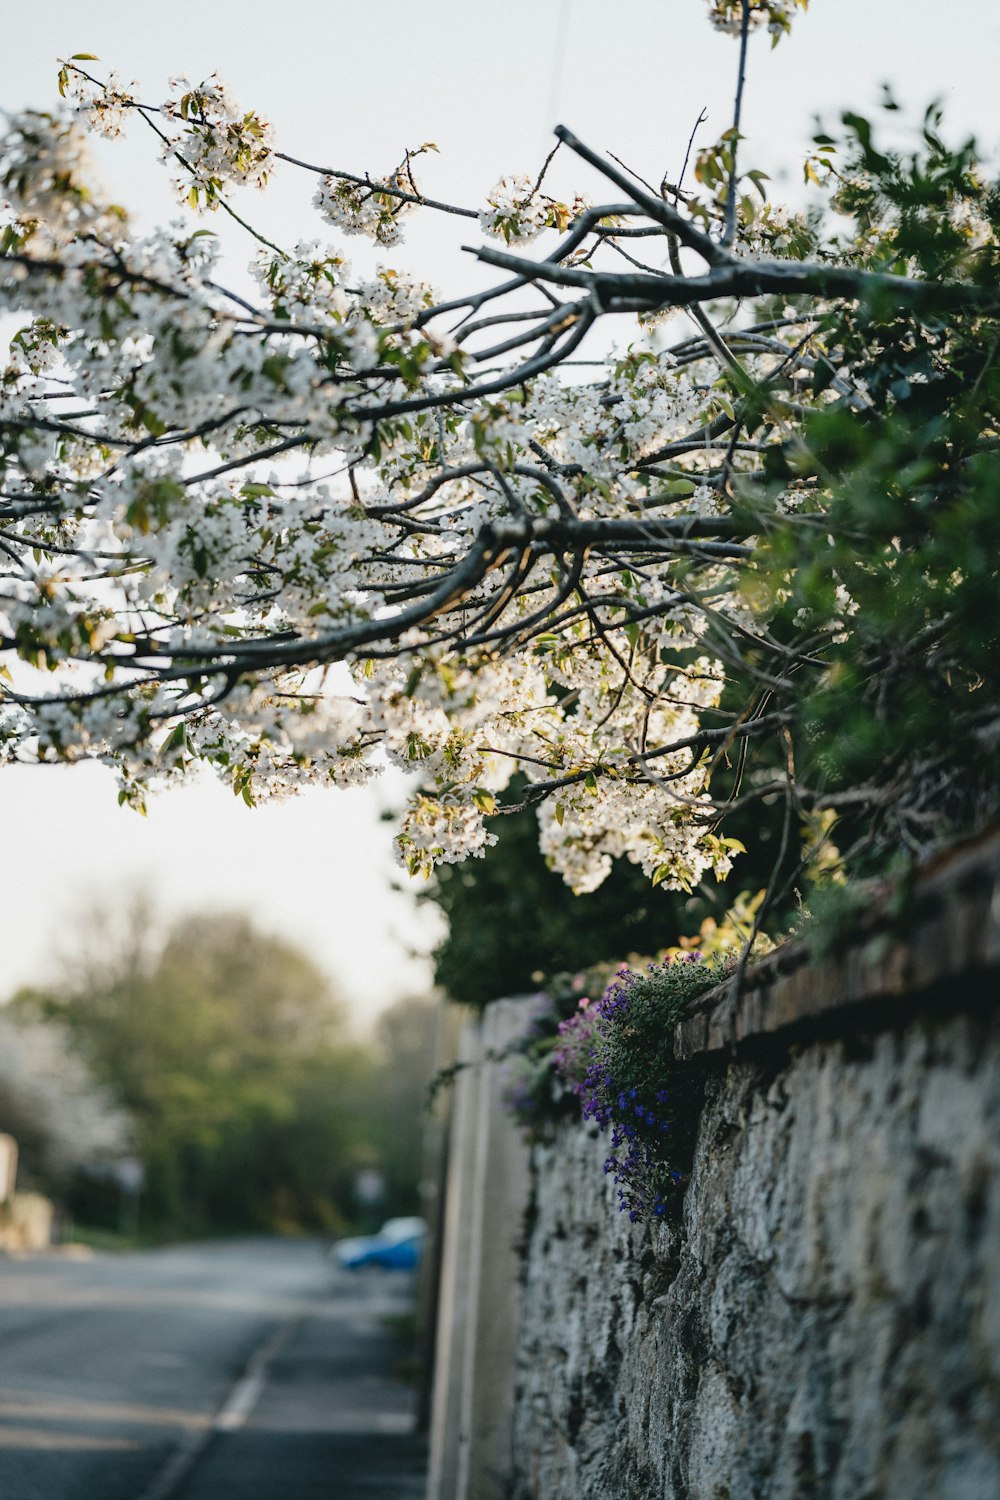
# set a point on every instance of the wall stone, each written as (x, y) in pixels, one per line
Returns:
(825, 1321)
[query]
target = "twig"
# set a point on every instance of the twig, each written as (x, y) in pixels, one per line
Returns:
(729, 234)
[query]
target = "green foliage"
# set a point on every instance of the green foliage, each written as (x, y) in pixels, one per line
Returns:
(883, 583)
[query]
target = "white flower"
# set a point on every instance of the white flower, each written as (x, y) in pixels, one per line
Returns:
(45, 175)
(219, 144)
(370, 209)
(105, 107)
(514, 211)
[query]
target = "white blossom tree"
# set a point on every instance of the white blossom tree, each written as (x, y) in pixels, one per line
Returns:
(353, 519)
(49, 1095)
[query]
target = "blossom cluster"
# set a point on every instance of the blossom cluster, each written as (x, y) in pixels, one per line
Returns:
(46, 182)
(218, 144)
(104, 106)
(517, 210)
(265, 537)
(372, 207)
(775, 15)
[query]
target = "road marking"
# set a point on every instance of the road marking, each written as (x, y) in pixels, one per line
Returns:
(45, 1440)
(231, 1415)
(246, 1392)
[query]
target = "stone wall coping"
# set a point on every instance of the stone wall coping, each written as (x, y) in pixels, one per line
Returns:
(950, 928)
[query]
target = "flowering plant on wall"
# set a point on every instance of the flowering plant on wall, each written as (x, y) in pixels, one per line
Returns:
(618, 1058)
(601, 1040)
(613, 1056)
(535, 1091)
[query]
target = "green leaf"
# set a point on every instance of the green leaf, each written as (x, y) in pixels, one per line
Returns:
(85, 57)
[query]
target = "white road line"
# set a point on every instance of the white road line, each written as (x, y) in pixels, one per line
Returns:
(231, 1415)
(247, 1391)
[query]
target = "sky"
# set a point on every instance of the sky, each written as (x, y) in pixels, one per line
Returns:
(349, 84)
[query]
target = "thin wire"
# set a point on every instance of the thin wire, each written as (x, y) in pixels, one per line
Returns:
(558, 69)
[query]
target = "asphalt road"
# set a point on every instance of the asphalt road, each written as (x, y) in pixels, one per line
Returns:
(249, 1370)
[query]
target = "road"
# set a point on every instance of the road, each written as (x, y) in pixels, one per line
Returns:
(248, 1370)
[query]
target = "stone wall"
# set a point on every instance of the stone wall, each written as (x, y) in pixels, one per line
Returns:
(825, 1320)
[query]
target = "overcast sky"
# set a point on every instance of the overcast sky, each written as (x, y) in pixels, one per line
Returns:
(349, 84)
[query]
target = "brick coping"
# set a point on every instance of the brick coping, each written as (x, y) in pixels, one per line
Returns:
(951, 930)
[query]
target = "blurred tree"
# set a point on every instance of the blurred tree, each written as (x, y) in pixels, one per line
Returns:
(51, 1103)
(230, 1053)
(412, 1039)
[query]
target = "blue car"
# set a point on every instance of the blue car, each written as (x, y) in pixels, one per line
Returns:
(397, 1246)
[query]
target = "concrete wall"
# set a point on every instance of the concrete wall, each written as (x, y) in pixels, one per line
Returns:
(479, 1310)
(8, 1167)
(25, 1218)
(25, 1223)
(825, 1320)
